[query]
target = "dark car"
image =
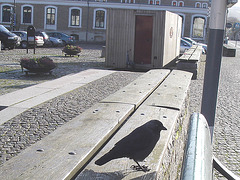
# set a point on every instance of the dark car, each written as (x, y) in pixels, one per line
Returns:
(46, 39)
(8, 40)
(64, 37)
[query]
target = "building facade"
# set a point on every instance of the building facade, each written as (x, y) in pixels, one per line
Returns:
(87, 19)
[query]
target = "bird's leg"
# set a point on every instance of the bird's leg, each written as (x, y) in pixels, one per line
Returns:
(140, 168)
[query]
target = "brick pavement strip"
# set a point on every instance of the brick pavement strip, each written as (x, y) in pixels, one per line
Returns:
(38, 122)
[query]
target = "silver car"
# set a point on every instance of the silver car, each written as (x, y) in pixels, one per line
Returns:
(184, 45)
(23, 35)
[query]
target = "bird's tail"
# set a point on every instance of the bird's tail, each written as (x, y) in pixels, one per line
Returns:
(104, 159)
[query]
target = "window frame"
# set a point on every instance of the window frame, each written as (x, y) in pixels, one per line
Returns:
(158, 1)
(206, 5)
(198, 3)
(50, 26)
(204, 26)
(94, 18)
(175, 3)
(101, 1)
(22, 13)
(6, 22)
(182, 3)
(70, 17)
(154, 2)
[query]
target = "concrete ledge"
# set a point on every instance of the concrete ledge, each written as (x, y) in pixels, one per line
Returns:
(229, 51)
(143, 86)
(166, 159)
(189, 61)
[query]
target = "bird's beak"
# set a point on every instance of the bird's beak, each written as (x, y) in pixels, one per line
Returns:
(163, 128)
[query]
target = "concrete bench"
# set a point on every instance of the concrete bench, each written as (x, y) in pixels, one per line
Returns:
(169, 105)
(229, 51)
(64, 152)
(189, 61)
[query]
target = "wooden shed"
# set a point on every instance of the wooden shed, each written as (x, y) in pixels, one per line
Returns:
(144, 39)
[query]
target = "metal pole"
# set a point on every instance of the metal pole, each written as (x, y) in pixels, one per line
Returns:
(213, 62)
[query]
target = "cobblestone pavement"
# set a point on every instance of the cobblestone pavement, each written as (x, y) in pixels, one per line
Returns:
(36, 123)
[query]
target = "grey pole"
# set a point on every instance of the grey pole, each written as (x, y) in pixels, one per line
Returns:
(213, 62)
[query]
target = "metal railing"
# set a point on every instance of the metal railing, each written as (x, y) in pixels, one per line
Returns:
(199, 160)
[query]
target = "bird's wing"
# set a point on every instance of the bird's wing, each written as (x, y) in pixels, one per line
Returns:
(140, 138)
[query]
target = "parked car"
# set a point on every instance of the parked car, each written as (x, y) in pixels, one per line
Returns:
(55, 41)
(196, 43)
(64, 37)
(8, 40)
(23, 34)
(184, 45)
(46, 39)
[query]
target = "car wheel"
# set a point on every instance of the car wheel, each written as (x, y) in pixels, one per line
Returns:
(24, 44)
(52, 44)
(12, 47)
(2, 46)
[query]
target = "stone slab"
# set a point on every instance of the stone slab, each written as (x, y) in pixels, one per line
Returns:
(43, 88)
(61, 154)
(137, 91)
(9, 113)
(187, 65)
(172, 92)
(21, 95)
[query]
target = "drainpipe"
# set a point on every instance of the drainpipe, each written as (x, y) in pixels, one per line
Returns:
(87, 20)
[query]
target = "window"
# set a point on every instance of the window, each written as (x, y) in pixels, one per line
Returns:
(51, 13)
(204, 5)
(157, 2)
(198, 27)
(99, 19)
(6, 13)
(50, 21)
(174, 3)
(75, 17)
(27, 14)
(198, 5)
(181, 3)
(151, 2)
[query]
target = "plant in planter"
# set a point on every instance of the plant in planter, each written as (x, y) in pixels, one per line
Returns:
(71, 50)
(38, 65)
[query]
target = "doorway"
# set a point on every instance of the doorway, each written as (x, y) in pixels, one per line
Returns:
(143, 39)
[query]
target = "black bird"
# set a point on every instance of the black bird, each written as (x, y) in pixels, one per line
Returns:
(137, 145)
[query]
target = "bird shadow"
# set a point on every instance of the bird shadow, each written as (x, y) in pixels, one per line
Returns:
(116, 175)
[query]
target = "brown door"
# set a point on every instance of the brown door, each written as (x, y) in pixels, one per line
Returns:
(143, 39)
